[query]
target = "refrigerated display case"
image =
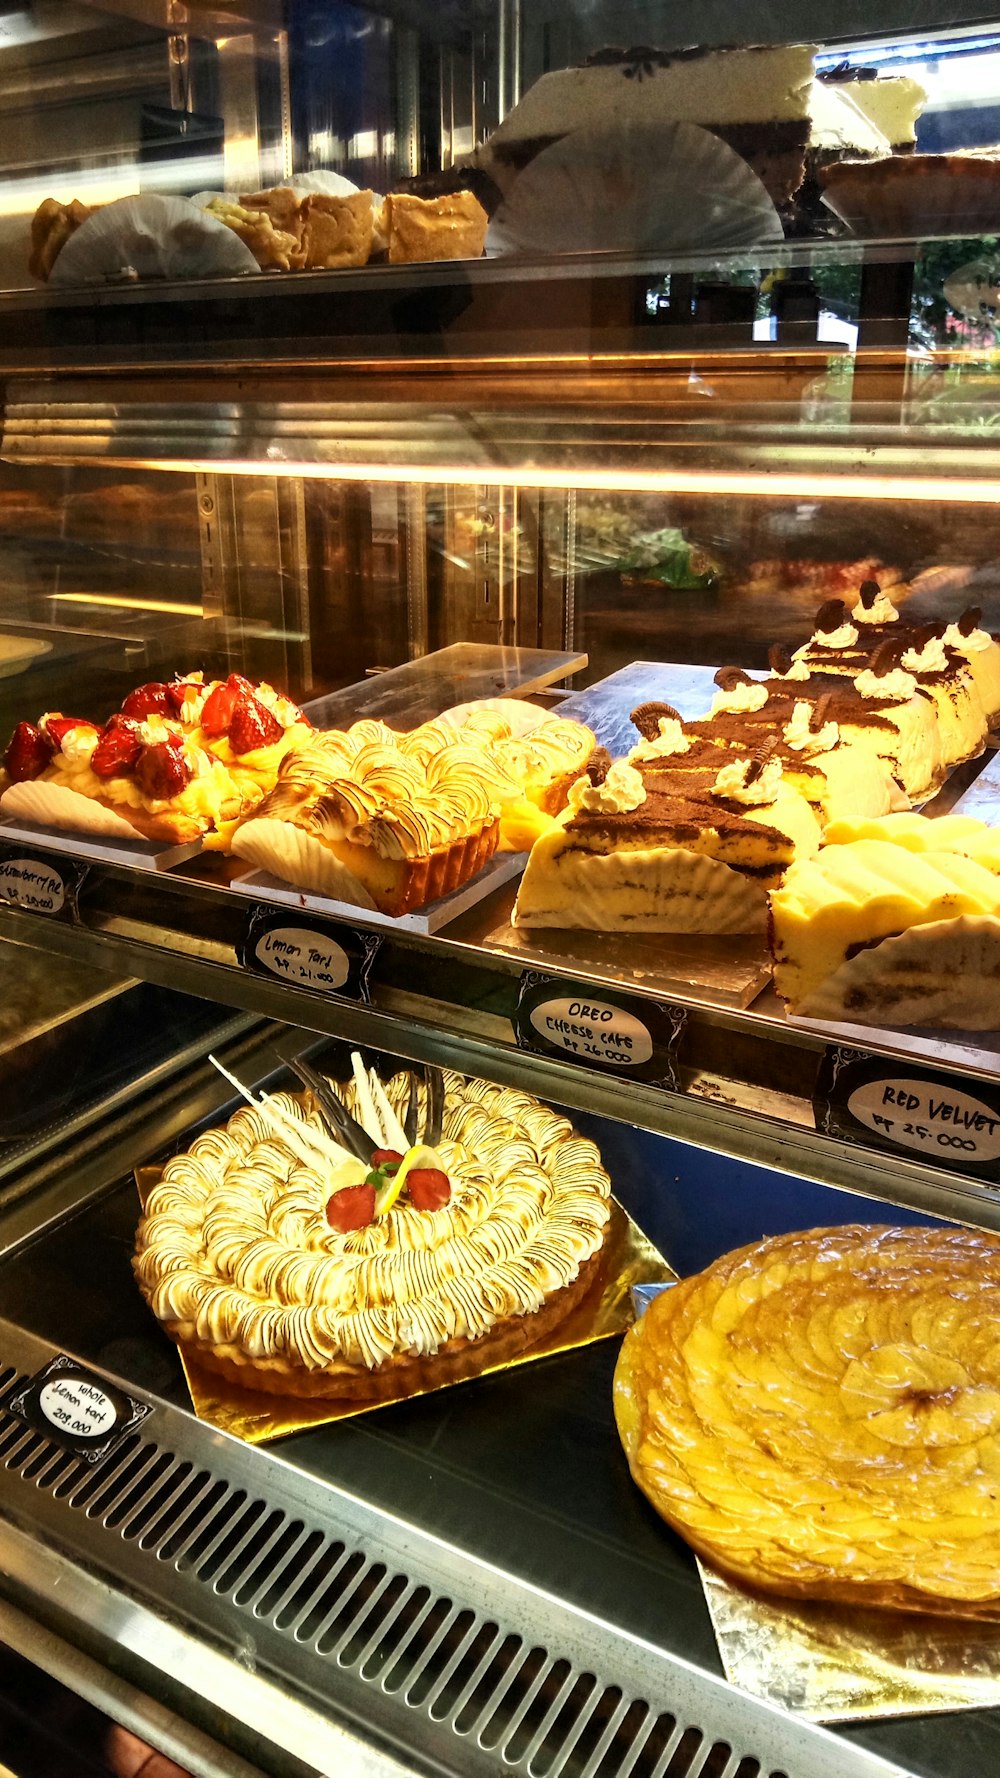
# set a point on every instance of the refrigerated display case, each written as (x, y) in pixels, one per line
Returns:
(575, 482)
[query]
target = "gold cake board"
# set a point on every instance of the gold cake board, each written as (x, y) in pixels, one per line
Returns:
(628, 1258)
(835, 1663)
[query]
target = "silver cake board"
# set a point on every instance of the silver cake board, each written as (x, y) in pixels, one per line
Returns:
(719, 971)
(262, 887)
(138, 854)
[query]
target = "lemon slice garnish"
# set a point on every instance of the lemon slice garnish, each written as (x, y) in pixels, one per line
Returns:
(420, 1156)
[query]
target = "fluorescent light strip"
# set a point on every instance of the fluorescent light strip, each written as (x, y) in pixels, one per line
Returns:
(780, 485)
(128, 604)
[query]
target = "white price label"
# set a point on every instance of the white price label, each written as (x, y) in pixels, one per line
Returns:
(297, 955)
(75, 1406)
(594, 1031)
(30, 883)
(934, 1120)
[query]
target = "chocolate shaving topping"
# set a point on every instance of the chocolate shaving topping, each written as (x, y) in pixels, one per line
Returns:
(727, 678)
(820, 712)
(599, 765)
(647, 718)
(884, 658)
(868, 592)
(831, 615)
(970, 619)
(779, 658)
(759, 758)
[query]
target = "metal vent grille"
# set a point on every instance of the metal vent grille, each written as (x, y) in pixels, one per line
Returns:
(491, 1696)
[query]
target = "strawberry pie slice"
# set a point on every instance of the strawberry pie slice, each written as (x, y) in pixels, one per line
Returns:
(183, 759)
(130, 778)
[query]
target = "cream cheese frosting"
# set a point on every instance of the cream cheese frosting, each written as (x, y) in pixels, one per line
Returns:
(234, 1249)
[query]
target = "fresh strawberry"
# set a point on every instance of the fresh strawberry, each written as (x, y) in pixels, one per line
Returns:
(236, 682)
(28, 753)
(162, 771)
(351, 1208)
(58, 726)
(149, 700)
(252, 725)
(218, 711)
(178, 690)
(117, 752)
(428, 1187)
(384, 1157)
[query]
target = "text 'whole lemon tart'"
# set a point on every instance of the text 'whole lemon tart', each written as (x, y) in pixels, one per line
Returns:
(252, 1256)
(818, 1414)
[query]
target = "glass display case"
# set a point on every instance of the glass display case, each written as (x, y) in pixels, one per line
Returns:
(642, 438)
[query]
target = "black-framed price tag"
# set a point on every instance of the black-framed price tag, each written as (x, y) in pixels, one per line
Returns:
(308, 953)
(80, 1411)
(40, 885)
(907, 1108)
(599, 1028)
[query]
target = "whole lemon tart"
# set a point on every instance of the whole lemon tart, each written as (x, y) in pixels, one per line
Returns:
(819, 1415)
(297, 1266)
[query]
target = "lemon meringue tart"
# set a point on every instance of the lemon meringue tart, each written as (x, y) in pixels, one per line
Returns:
(294, 1267)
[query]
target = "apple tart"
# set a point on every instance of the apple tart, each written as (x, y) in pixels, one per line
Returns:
(299, 1268)
(818, 1414)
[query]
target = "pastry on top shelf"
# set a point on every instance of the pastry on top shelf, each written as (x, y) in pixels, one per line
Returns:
(878, 712)
(847, 647)
(645, 850)
(452, 226)
(124, 780)
(818, 1414)
(51, 227)
(391, 820)
(182, 760)
(879, 934)
(286, 232)
(816, 758)
(756, 99)
(358, 816)
(299, 1267)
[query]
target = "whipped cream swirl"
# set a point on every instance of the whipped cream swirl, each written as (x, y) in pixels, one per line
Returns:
(976, 642)
(740, 700)
(805, 740)
(670, 740)
(880, 611)
(622, 790)
(929, 659)
(897, 686)
(735, 784)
